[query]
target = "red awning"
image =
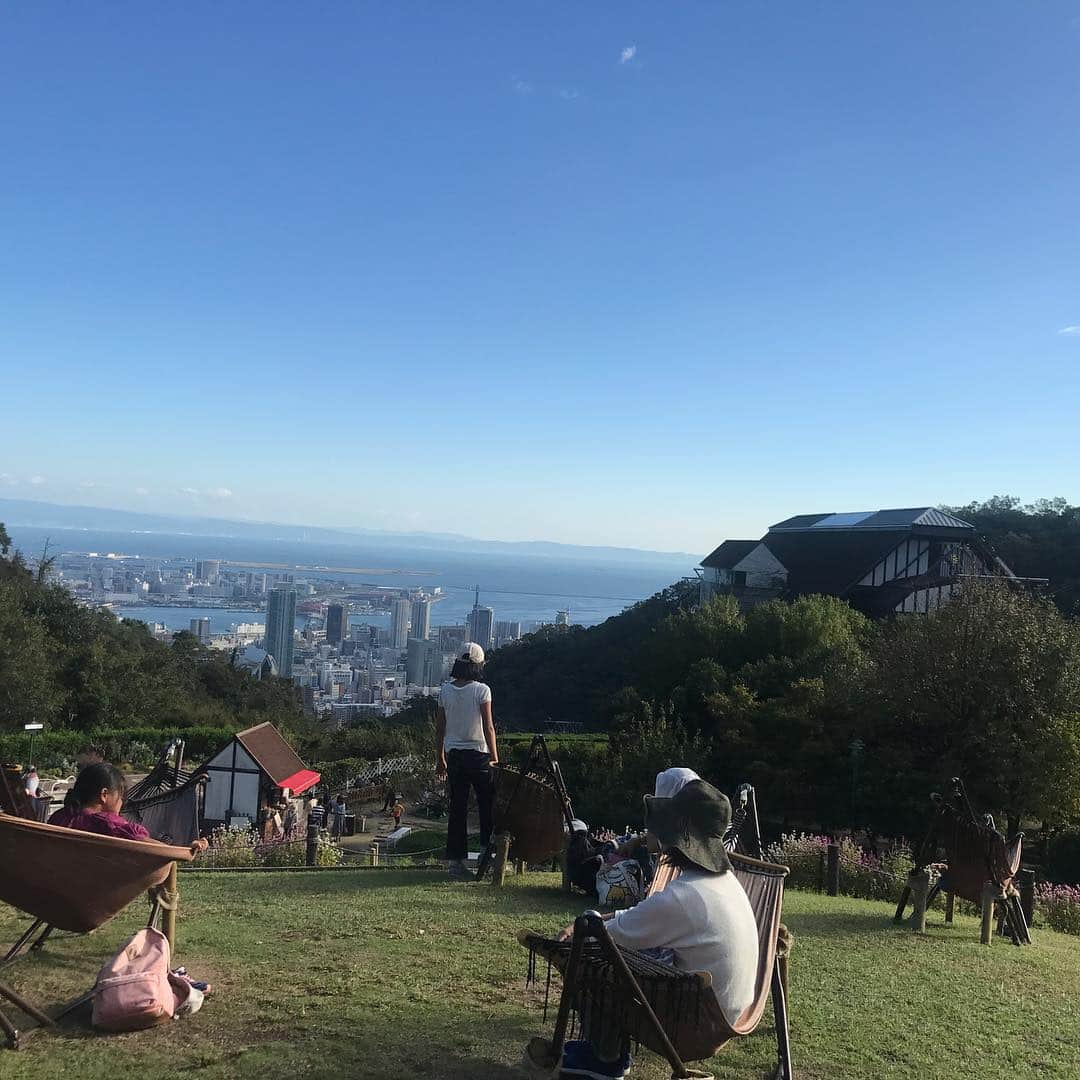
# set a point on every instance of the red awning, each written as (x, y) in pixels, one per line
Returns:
(300, 781)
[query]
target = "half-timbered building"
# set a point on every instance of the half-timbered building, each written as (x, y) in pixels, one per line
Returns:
(880, 561)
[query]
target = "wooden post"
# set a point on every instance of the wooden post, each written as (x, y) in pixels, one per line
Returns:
(172, 898)
(1027, 895)
(920, 888)
(832, 873)
(312, 853)
(989, 894)
(363, 824)
(821, 873)
(949, 904)
(519, 866)
(374, 853)
(502, 857)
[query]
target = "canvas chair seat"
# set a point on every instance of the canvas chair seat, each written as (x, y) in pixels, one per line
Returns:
(690, 1021)
(77, 880)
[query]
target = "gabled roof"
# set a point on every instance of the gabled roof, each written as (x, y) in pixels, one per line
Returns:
(830, 561)
(729, 553)
(271, 752)
(919, 517)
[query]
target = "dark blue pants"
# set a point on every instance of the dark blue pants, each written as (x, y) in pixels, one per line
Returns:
(465, 770)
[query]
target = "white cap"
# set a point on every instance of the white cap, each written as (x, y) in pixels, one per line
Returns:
(577, 825)
(671, 781)
(472, 653)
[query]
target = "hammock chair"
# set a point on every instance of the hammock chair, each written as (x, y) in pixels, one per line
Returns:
(981, 867)
(532, 807)
(166, 801)
(75, 881)
(674, 1013)
(744, 832)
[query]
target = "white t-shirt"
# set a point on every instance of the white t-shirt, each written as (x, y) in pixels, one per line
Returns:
(464, 720)
(708, 922)
(32, 785)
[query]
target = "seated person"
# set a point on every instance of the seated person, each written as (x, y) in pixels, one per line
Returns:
(703, 916)
(94, 806)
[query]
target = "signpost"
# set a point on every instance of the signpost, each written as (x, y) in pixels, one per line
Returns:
(33, 729)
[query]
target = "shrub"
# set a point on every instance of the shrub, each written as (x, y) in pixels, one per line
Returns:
(230, 848)
(294, 853)
(1063, 857)
(862, 874)
(1059, 905)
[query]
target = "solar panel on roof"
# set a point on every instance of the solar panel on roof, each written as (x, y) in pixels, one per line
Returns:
(842, 521)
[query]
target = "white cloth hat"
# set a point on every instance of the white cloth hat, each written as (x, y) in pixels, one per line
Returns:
(671, 781)
(472, 653)
(577, 825)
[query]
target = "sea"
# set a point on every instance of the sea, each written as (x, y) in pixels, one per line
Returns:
(521, 586)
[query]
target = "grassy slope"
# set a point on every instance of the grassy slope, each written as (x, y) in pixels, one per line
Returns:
(394, 974)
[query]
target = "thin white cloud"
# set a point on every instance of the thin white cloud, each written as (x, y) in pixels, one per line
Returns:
(37, 481)
(628, 54)
(141, 491)
(523, 87)
(219, 493)
(9, 480)
(568, 93)
(189, 491)
(88, 484)
(1070, 331)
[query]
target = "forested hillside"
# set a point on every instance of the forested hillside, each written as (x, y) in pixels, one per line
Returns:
(1041, 539)
(78, 669)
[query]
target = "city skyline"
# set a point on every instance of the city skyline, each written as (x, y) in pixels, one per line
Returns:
(641, 277)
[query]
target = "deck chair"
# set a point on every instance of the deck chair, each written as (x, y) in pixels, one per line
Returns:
(166, 801)
(75, 881)
(981, 867)
(673, 1013)
(744, 832)
(532, 807)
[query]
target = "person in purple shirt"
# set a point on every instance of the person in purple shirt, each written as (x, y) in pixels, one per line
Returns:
(98, 796)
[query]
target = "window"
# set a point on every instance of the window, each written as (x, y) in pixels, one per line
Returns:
(738, 578)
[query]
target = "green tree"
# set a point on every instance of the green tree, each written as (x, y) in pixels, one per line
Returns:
(987, 688)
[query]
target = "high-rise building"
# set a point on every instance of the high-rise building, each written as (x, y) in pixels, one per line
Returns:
(201, 629)
(425, 664)
(562, 618)
(399, 625)
(337, 623)
(481, 625)
(506, 631)
(280, 623)
(421, 619)
(451, 638)
(207, 570)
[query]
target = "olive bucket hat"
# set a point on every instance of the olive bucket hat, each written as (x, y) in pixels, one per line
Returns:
(692, 822)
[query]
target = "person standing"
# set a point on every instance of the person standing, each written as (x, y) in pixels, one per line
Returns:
(465, 750)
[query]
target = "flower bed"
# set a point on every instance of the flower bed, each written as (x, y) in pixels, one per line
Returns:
(1059, 905)
(862, 873)
(230, 848)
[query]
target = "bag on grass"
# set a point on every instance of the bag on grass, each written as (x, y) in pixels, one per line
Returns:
(135, 989)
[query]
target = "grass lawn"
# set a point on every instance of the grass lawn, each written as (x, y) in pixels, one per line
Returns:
(367, 974)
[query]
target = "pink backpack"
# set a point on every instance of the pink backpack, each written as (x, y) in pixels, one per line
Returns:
(134, 989)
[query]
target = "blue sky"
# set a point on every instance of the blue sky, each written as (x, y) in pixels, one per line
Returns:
(642, 274)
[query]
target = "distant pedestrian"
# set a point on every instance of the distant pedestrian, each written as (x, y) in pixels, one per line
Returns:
(465, 750)
(397, 810)
(339, 808)
(32, 781)
(389, 793)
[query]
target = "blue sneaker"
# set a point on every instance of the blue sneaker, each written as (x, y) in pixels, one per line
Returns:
(579, 1059)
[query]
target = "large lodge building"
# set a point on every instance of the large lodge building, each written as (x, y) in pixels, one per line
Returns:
(879, 561)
